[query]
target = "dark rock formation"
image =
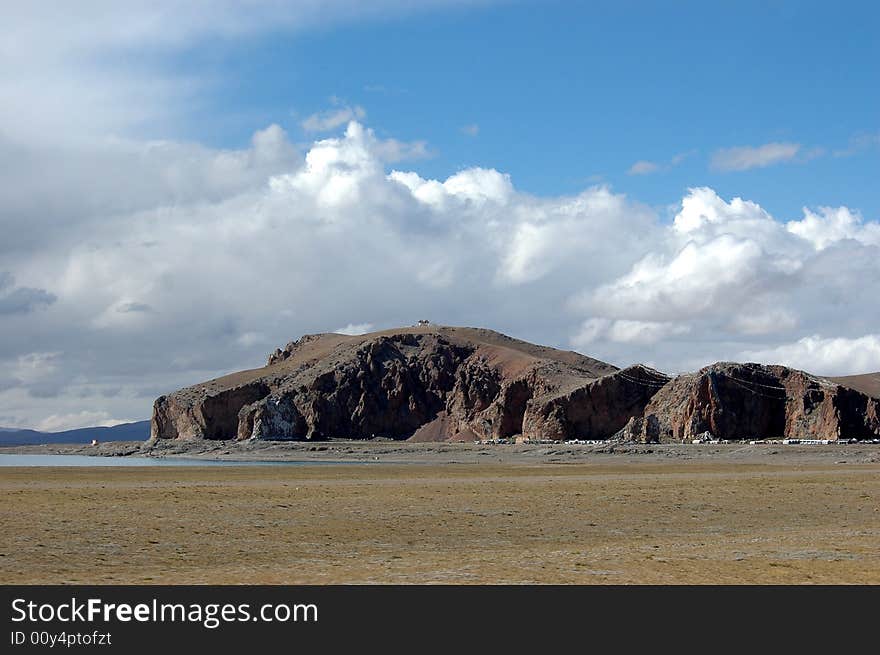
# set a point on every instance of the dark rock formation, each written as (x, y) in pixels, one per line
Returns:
(594, 408)
(434, 383)
(747, 401)
(427, 382)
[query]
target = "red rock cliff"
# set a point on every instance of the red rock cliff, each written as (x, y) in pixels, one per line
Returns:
(747, 401)
(425, 383)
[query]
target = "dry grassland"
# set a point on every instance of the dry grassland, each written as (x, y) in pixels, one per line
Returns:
(691, 522)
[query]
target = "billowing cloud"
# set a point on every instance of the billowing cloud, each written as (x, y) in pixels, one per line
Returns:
(727, 274)
(182, 287)
(714, 275)
(825, 356)
(829, 225)
(55, 194)
(743, 158)
(134, 265)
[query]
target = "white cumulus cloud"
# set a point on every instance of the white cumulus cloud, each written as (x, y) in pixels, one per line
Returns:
(733, 276)
(829, 225)
(193, 280)
(825, 356)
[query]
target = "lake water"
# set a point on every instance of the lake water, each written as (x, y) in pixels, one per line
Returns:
(89, 460)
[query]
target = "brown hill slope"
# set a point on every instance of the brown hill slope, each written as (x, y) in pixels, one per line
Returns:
(428, 383)
(868, 384)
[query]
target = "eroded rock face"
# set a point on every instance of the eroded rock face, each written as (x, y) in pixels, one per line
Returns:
(214, 416)
(433, 383)
(388, 387)
(599, 407)
(748, 401)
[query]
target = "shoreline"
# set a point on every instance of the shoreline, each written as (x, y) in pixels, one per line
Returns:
(401, 452)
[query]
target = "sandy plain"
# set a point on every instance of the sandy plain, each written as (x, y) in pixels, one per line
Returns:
(740, 515)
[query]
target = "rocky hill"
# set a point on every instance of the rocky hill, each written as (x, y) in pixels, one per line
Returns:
(748, 401)
(436, 383)
(427, 383)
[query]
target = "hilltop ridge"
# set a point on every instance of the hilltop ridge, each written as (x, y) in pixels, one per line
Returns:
(424, 382)
(438, 383)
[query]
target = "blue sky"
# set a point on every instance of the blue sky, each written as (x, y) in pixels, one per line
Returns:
(188, 185)
(567, 94)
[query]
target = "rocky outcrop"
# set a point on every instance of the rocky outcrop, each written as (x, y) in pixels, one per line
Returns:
(428, 382)
(748, 401)
(389, 387)
(599, 407)
(209, 415)
(435, 383)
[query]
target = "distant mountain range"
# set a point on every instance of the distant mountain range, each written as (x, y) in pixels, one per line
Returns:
(138, 431)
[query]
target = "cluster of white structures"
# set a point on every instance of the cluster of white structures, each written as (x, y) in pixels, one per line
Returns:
(707, 438)
(526, 440)
(807, 442)
(699, 440)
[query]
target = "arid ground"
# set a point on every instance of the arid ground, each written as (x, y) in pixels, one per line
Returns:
(812, 520)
